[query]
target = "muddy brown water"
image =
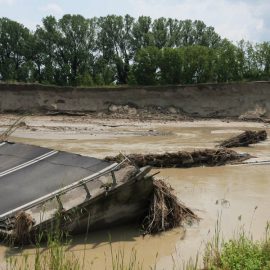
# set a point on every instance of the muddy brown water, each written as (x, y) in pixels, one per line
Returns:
(239, 195)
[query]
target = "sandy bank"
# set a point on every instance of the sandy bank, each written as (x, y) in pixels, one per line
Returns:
(233, 100)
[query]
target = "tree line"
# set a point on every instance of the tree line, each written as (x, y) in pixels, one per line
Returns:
(114, 49)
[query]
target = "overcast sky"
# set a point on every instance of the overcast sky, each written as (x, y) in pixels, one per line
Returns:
(234, 19)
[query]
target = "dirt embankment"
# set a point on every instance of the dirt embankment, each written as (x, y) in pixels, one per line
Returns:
(247, 101)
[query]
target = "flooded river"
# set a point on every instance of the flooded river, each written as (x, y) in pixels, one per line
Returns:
(239, 195)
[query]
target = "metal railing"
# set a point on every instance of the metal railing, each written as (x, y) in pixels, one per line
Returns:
(56, 194)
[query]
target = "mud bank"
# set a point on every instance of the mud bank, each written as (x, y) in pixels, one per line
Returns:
(204, 100)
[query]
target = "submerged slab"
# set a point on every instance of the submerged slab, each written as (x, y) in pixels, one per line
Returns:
(28, 173)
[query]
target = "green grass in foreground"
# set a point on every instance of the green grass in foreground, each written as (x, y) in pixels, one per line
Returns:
(239, 253)
(55, 257)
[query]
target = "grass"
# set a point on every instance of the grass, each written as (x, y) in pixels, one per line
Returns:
(118, 260)
(55, 257)
(239, 253)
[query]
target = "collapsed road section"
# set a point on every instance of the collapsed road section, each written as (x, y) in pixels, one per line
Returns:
(30, 174)
(39, 185)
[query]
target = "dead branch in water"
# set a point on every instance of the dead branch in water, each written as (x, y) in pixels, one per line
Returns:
(183, 159)
(245, 139)
(17, 123)
(165, 211)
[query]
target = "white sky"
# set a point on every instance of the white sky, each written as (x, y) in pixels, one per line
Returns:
(234, 19)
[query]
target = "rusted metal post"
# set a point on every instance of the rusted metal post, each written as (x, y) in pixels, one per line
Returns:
(114, 179)
(88, 195)
(59, 203)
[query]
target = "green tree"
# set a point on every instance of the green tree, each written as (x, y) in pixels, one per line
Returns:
(250, 67)
(160, 33)
(205, 36)
(114, 43)
(146, 66)
(15, 50)
(171, 66)
(173, 33)
(103, 73)
(187, 32)
(229, 62)
(263, 59)
(185, 29)
(84, 80)
(75, 48)
(45, 47)
(197, 64)
(142, 35)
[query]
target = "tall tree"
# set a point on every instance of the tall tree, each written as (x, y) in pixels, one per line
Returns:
(76, 45)
(142, 35)
(114, 43)
(46, 46)
(229, 62)
(250, 67)
(15, 51)
(146, 66)
(185, 29)
(263, 58)
(171, 66)
(160, 33)
(205, 36)
(197, 64)
(173, 33)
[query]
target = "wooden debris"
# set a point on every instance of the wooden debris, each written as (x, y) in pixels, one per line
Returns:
(22, 227)
(183, 159)
(16, 124)
(245, 139)
(165, 211)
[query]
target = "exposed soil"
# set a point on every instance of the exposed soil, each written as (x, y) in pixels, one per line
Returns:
(142, 102)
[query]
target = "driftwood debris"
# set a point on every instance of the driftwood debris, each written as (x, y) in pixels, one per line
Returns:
(12, 128)
(165, 211)
(22, 227)
(245, 139)
(183, 159)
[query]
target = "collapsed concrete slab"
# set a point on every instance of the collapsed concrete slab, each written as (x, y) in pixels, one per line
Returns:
(42, 188)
